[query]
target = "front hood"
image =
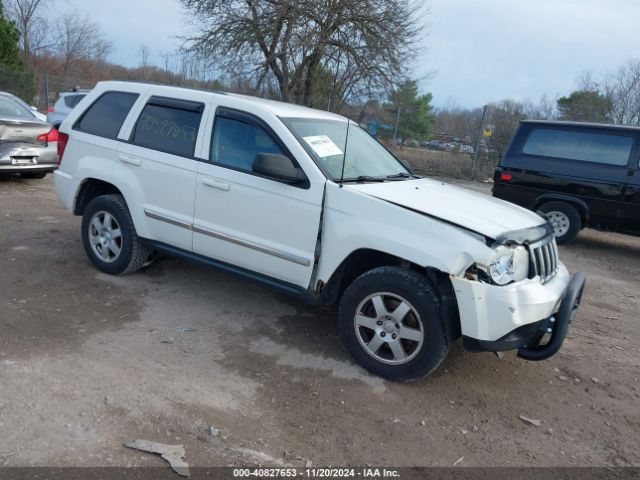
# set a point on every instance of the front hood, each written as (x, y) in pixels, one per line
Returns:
(481, 213)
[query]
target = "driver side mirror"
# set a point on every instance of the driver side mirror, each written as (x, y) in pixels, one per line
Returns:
(278, 167)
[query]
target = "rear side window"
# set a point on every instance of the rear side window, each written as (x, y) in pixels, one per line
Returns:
(72, 100)
(105, 117)
(169, 126)
(581, 146)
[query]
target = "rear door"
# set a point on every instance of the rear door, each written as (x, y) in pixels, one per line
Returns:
(160, 154)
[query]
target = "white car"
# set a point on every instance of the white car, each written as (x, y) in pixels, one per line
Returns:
(307, 202)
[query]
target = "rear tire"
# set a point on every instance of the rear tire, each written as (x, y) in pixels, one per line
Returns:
(34, 176)
(109, 236)
(565, 219)
(391, 322)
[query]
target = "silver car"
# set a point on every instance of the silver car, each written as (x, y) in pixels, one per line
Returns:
(64, 105)
(28, 145)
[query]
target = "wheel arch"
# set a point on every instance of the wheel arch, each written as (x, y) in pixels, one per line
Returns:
(579, 204)
(363, 260)
(89, 189)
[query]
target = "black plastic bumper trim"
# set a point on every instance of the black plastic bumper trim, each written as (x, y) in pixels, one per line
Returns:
(565, 316)
(511, 341)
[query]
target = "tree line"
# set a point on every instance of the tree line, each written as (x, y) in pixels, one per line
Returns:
(353, 57)
(347, 56)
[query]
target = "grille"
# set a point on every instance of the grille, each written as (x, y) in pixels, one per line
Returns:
(544, 258)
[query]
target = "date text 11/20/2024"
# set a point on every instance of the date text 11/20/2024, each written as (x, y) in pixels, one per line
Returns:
(315, 473)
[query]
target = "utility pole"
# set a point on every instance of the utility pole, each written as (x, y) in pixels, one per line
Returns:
(395, 132)
(46, 92)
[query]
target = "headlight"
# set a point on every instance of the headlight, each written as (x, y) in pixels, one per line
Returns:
(509, 264)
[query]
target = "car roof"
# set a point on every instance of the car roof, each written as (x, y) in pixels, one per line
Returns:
(561, 123)
(280, 109)
(7, 94)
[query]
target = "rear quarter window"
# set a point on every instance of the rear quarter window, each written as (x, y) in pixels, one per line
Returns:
(106, 115)
(72, 100)
(581, 146)
(169, 126)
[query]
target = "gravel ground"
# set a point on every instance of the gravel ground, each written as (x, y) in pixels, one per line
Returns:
(89, 361)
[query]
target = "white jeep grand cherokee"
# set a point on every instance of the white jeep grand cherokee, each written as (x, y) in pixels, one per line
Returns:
(307, 202)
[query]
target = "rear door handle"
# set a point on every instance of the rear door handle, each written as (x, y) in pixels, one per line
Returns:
(130, 160)
(225, 187)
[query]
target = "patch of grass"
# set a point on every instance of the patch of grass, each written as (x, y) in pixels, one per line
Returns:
(435, 163)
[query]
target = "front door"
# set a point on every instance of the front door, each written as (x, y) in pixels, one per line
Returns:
(259, 224)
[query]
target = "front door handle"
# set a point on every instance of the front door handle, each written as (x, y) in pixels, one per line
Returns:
(130, 160)
(225, 187)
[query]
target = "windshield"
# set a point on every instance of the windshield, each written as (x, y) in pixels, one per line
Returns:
(325, 141)
(12, 109)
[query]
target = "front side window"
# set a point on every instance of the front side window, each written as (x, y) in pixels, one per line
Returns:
(236, 143)
(11, 109)
(325, 141)
(582, 146)
(107, 114)
(169, 126)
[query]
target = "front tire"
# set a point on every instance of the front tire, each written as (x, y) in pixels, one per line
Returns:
(391, 322)
(109, 236)
(565, 219)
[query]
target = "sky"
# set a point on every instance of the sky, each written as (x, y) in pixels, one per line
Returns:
(474, 51)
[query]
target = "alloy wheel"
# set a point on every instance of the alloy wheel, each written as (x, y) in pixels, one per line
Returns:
(389, 328)
(105, 236)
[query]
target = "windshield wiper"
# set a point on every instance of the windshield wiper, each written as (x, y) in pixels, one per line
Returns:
(364, 178)
(402, 175)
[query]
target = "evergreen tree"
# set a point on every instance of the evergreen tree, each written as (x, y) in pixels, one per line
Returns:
(585, 106)
(9, 36)
(415, 111)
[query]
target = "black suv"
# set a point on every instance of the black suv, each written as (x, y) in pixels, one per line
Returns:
(577, 174)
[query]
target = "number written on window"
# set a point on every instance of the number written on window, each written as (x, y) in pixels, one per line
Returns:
(168, 129)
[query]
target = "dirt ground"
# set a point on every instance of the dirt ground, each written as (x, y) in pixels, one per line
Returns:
(89, 361)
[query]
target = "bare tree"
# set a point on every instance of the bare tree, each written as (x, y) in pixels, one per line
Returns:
(545, 109)
(623, 89)
(79, 39)
(305, 50)
(145, 55)
(33, 26)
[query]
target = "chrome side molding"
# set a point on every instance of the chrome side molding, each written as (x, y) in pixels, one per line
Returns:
(305, 262)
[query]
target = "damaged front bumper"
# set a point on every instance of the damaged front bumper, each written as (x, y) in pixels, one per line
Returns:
(537, 349)
(528, 316)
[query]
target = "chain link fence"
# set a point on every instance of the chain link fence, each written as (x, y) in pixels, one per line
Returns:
(20, 83)
(466, 146)
(38, 89)
(50, 87)
(491, 141)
